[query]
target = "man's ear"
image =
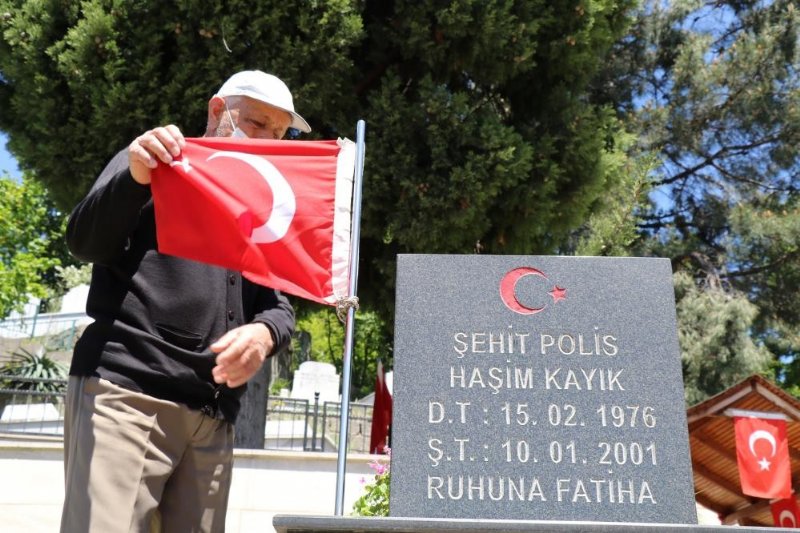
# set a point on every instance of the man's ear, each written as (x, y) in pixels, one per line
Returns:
(216, 106)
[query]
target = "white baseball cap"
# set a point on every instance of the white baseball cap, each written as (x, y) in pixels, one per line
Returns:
(265, 88)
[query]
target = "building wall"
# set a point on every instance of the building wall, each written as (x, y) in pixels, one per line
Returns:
(265, 483)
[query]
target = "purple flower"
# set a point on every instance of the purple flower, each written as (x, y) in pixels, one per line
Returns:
(379, 468)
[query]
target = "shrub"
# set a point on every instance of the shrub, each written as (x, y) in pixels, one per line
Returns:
(375, 500)
(24, 370)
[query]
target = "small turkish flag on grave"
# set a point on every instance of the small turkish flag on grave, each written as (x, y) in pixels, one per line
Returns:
(381, 413)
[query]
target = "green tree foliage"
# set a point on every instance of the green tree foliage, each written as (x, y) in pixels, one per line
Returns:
(483, 129)
(713, 331)
(480, 123)
(767, 242)
(80, 80)
(326, 333)
(31, 243)
(74, 275)
(715, 91)
(614, 231)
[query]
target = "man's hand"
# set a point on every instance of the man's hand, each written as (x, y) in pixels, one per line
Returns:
(162, 143)
(241, 352)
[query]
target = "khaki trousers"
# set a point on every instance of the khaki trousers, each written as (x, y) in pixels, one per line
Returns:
(134, 463)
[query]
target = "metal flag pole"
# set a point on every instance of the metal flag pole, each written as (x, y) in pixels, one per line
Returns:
(344, 415)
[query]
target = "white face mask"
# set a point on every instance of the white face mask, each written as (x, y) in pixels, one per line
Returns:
(237, 131)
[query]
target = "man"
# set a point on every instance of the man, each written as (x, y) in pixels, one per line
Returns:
(155, 380)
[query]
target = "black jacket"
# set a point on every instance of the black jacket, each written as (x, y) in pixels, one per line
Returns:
(155, 315)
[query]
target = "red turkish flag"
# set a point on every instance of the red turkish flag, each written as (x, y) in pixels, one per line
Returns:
(277, 211)
(762, 450)
(785, 513)
(381, 413)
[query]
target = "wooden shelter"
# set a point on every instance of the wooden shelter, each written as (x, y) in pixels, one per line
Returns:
(713, 449)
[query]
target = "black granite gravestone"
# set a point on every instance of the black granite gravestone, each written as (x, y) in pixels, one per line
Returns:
(538, 388)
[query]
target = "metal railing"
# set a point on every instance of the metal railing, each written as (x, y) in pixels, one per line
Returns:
(296, 424)
(292, 423)
(32, 406)
(61, 328)
(358, 430)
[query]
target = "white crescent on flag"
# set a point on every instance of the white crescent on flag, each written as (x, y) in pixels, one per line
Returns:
(293, 235)
(762, 434)
(787, 516)
(283, 199)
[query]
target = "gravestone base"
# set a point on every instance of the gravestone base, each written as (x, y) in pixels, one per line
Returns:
(320, 524)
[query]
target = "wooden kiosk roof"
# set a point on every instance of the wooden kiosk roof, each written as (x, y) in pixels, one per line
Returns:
(713, 449)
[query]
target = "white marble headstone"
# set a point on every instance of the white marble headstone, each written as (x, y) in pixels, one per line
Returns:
(313, 377)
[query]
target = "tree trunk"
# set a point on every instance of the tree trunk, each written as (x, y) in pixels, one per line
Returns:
(252, 418)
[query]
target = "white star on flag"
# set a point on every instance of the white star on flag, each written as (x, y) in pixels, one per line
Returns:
(183, 163)
(762, 454)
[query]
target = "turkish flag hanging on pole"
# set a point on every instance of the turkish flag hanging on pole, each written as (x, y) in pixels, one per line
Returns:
(785, 513)
(277, 211)
(381, 413)
(762, 450)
